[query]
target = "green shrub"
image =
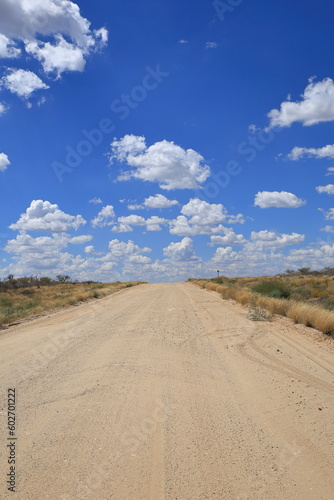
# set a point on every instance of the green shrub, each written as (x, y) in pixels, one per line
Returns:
(219, 280)
(272, 288)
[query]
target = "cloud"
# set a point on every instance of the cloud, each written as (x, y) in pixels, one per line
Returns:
(329, 189)
(139, 259)
(164, 162)
(182, 251)
(31, 21)
(202, 212)
(133, 220)
(272, 239)
(316, 106)
(330, 171)
(183, 41)
(154, 223)
(314, 257)
(44, 216)
(328, 229)
(181, 227)
(105, 217)
(44, 256)
(282, 199)
(320, 153)
(125, 223)
(211, 45)
(95, 200)
(22, 83)
(89, 250)
(230, 238)
(43, 245)
(78, 240)
(4, 162)
(224, 254)
(3, 108)
(236, 219)
(121, 250)
(159, 201)
(201, 217)
(253, 128)
(58, 58)
(328, 215)
(7, 48)
(122, 228)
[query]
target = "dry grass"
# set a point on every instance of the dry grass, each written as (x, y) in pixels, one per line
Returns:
(308, 313)
(21, 303)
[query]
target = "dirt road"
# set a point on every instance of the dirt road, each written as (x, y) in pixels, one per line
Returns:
(167, 392)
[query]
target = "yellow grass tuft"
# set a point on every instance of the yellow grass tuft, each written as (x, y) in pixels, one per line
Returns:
(275, 306)
(310, 315)
(300, 312)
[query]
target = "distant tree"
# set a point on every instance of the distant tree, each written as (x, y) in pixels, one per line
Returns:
(63, 278)
(304, 270)
(328, 270)
(45, 280)
(290, 271)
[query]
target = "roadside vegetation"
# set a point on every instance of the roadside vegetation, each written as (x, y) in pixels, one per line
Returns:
(27, 296)
(305, 296)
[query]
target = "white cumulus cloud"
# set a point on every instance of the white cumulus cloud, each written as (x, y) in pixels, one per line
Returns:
(329, 189)
(57, 58)
(121, 250)
(201, 217)
(125, 223)
(329, 215)
(78, 240)
(4, 162)
(182, 250)
(105, 217)
(224, 255)
(282, 199)
(325, 152)
(8, 48)
(201, 212)
(229, 238)
(316, 106)
(328, 229)
(22, 83)
(30, 21)
(273, 239)
(166, 163)
(159, 201)
(3, 108)
(154, 223)
(45, 216)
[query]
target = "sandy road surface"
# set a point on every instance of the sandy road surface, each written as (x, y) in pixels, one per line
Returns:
(167, 392)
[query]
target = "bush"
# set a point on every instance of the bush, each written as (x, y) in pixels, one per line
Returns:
(273, 289)
(258, 314)
(219, 280)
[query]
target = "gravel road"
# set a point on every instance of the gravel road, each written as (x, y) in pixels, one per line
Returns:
(167, 392)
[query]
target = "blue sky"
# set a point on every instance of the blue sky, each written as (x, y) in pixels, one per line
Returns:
(165, 140)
